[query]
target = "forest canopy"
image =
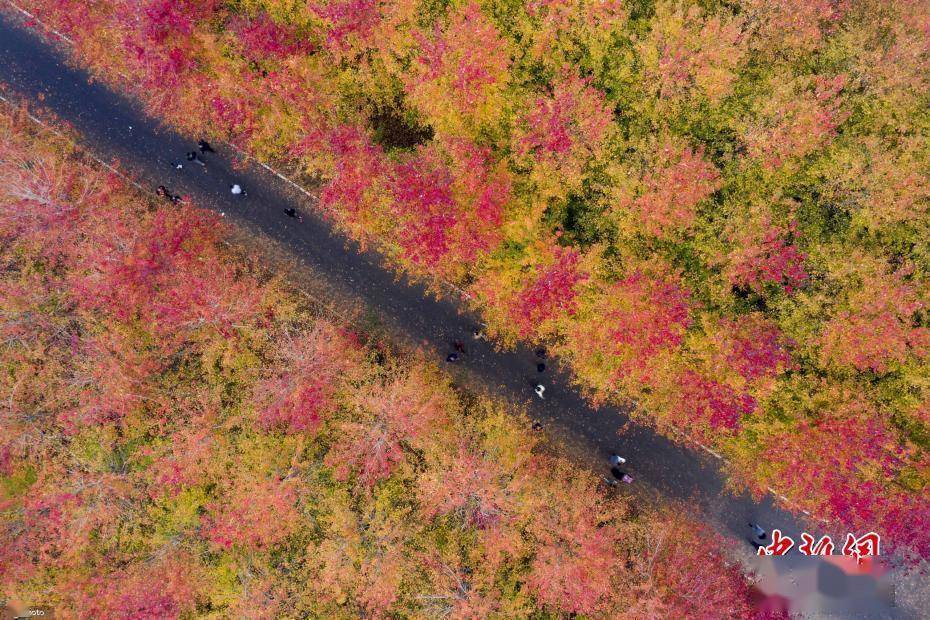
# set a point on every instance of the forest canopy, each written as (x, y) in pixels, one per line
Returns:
(715, 209)
(179, 437)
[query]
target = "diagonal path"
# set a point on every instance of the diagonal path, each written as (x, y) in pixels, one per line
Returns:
(116, 129)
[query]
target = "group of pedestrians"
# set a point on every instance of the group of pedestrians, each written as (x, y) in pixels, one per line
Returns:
(759, 535)
(539, 388)
(198, 159)
(617, 463)
(458, 349)
(192, 157)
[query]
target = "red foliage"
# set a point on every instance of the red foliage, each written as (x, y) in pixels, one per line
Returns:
(575, 117)
(702, 402)
(75, 19)
(127, 274)
(571, 572)
(466, 58)
(670, 196)
(183, 463)
(470, 486)
(422, 188)
(398, 412)
(576, 555)
(484, 189)
(768, 257)
(359, 164)
(551, 293)
(794, 24)
(843, 464)
(164, 18)
(652, 315)
(444, 213)
(236, 115)
(349, 19)
(112, 381)
(156, 277)
(299, 392)
(254, 515)
(39, 537)
(877, 328)
(262, 38)
(796, 124)
(166, 588)
(53, 525)
(679, 573)
(754, 347)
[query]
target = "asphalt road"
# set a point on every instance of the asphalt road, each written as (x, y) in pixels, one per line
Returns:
(115, 128)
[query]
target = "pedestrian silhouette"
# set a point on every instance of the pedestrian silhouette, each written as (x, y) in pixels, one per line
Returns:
(539, 389)
(293, 213)
(192, 156)
(452, 357)
(540, 367)
(622, 476)
(164, 193)
(205, 147)
(759, 535)
(458, 345)
(236, 190)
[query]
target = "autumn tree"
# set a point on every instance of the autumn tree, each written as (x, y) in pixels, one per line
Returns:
(621, 334)
(563, 130)
(573, 568)
(874, 329)
(688, 50)
(299, 392)
(458, 78)
(664, 203)
(550, 293)
(392, 415)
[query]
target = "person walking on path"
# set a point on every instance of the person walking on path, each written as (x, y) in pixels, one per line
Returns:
(163, 192)
(236, 190)
(540, 367)
(294, 214)
(205, 147)
(759, 535)
(622, 476)
(539, 389)
(617, 460)
(192, 156)
(452, 357)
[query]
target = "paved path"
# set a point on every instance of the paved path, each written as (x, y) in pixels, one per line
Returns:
(115, 129)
